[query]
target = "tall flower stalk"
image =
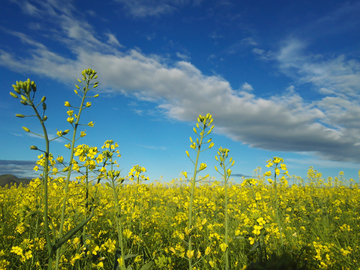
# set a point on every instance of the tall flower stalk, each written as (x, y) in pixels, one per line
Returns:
(203, 123)
(277, 162)
(27, 91)
(74, 120)
(226, 173)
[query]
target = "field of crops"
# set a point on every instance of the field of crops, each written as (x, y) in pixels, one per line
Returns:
(154, 218)
(107, 220)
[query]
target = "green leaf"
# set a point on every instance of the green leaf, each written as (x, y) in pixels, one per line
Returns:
(71, 233)
(255, 246)
(147, 266)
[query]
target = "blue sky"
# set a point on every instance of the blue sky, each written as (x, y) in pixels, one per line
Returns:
(281, 78)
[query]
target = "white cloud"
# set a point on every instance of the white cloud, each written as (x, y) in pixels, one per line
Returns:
(144, 8)
(258, 51)
(113, 41)
(240, 45)
(183, 56)
(247, 87)
(284, 122)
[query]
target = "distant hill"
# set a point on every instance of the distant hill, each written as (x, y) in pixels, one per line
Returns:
(9, 179)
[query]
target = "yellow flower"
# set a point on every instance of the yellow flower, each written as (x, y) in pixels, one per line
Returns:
(202, 166)
(67, 104)
(257, 229)
(70, 112)
(68, 145)
(207, 251)
(223, 247)
(190, 254)
(70, 120)
(88, 104)
(261, 221)
(252, 240)
(267, 173)
(82, 134)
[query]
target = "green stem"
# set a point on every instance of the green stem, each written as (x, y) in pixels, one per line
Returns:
(226, 178)
(119, 225)
(277, 212)
(58, 252)
(193, 184)
(45, 181)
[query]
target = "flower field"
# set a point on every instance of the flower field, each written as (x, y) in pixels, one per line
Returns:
(106, 220)
(326, 220)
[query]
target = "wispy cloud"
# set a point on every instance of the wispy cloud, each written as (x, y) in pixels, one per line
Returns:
(283, 122)
(145, 8)
(153, 147)
(113, 41)
(19, 168)
(240, 45)
(183, 56)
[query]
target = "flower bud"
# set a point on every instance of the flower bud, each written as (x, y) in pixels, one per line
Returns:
(66, 131)
(23, 102)
(67, 104)
(13, 95)
(77, 86)
(20, 115)
(26, 129)
(76, 92)
(33, 147)
(16, 88)
(45, 118)
(96, 95)
(43, 99)
(79, 80)
(33, 86)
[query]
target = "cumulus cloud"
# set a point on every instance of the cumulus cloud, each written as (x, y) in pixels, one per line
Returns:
(285, 122)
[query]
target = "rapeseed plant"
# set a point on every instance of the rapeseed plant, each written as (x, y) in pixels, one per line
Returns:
(203, 123)
(221, 158)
